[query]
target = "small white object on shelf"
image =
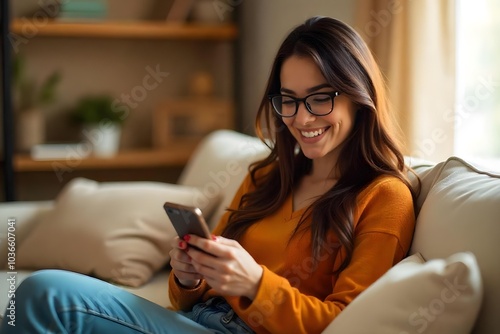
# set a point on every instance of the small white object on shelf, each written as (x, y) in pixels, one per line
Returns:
(62, 151)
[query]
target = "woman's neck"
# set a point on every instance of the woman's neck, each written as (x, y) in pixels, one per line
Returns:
(323, 176)
(325, 168)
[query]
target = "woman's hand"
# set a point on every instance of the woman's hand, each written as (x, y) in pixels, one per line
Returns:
(227, 268)
(181, 264)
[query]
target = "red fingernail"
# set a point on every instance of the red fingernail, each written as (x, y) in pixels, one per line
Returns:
(214, 238)
(187, 237)
(181, 245)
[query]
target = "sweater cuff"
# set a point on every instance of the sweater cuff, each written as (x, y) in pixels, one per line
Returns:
(183, 298)
(183, 287)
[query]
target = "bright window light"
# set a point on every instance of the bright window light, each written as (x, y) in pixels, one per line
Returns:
(477, 114)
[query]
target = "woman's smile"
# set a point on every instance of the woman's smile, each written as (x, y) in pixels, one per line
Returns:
(313, 133)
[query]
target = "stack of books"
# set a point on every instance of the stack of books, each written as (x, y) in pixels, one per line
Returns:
(83, 9)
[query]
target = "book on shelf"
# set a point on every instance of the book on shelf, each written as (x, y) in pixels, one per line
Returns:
(60, 151)
(83, 9)
(179, 11)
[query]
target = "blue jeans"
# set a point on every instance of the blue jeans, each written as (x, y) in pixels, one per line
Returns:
(56, 301)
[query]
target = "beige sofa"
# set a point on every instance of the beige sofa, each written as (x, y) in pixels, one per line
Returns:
(449, 284)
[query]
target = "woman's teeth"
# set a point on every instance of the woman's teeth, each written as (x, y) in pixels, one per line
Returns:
(312, 134)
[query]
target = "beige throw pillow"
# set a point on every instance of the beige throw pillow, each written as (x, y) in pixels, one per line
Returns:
(116, 231)
(435, 297)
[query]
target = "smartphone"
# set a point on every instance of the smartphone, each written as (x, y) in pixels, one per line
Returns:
(187, 220)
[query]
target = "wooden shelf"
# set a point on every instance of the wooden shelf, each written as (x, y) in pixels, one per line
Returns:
(126, 159)
(125, 29)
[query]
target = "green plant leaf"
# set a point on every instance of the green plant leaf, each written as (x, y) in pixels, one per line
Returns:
(26, 97)
(26, 94)
(95, 109)
(48, 88)
(17, 69)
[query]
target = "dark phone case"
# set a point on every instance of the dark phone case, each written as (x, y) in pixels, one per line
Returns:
(187, 220)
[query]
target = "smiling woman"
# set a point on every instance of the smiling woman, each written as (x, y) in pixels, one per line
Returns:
(326, 213)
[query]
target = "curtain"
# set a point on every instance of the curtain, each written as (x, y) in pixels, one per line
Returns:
(414, 44)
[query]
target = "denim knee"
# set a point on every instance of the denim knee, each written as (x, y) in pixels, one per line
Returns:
(36, 285)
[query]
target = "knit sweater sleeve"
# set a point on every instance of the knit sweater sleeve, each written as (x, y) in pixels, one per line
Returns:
(384, 223)
(184, 299)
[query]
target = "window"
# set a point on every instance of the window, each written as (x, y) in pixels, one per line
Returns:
(477, 114)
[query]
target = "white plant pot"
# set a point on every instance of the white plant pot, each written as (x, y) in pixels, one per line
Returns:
(104, 139)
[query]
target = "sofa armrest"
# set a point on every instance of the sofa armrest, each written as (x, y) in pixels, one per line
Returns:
(25, 215)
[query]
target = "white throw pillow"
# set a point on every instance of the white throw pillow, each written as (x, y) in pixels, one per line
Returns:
(116, 231)
(439, 296)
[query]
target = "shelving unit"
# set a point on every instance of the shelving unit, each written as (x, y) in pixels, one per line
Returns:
(137, 159)
(146, 161)
(121, 30)
(126, 29)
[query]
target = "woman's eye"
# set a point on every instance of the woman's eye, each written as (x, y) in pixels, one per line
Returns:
(288, 101)
(321, 99)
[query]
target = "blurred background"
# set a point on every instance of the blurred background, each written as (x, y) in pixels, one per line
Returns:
(158, 75)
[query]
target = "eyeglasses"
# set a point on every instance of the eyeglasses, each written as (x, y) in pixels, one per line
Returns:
(318, 104)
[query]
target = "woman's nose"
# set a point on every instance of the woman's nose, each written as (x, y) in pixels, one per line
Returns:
(303, 115)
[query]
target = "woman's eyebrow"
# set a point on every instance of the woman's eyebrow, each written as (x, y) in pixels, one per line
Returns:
(309, 90)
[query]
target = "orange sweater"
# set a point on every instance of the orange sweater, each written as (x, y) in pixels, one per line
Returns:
(294, 297)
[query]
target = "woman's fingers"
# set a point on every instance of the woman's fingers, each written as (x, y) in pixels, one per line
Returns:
(225, 265)
(181, 262)
(217, 246)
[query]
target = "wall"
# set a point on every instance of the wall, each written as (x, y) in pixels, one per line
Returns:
(264, 24)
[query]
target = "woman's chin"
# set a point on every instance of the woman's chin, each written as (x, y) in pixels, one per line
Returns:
(313, 154)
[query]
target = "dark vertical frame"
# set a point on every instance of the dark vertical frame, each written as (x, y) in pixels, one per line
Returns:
(238, 72)
(8, 121)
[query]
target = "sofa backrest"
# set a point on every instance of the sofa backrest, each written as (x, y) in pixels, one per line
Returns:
(460, 212)
(219, 165)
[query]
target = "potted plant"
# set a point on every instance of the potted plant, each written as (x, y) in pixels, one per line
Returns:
(101, 123)
(29, 100)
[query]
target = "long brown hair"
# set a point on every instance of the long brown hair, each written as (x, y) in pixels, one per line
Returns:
(369, 151)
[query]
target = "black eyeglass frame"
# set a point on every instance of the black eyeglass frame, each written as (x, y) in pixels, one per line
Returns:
(297, 100)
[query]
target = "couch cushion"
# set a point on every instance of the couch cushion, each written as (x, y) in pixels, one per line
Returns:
(220, 163)
(24, 215)
(461, 212)
(116, 231)
(435, 297)
(426, 174)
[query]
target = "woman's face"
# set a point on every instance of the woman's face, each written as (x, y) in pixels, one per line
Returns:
(318, 136)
